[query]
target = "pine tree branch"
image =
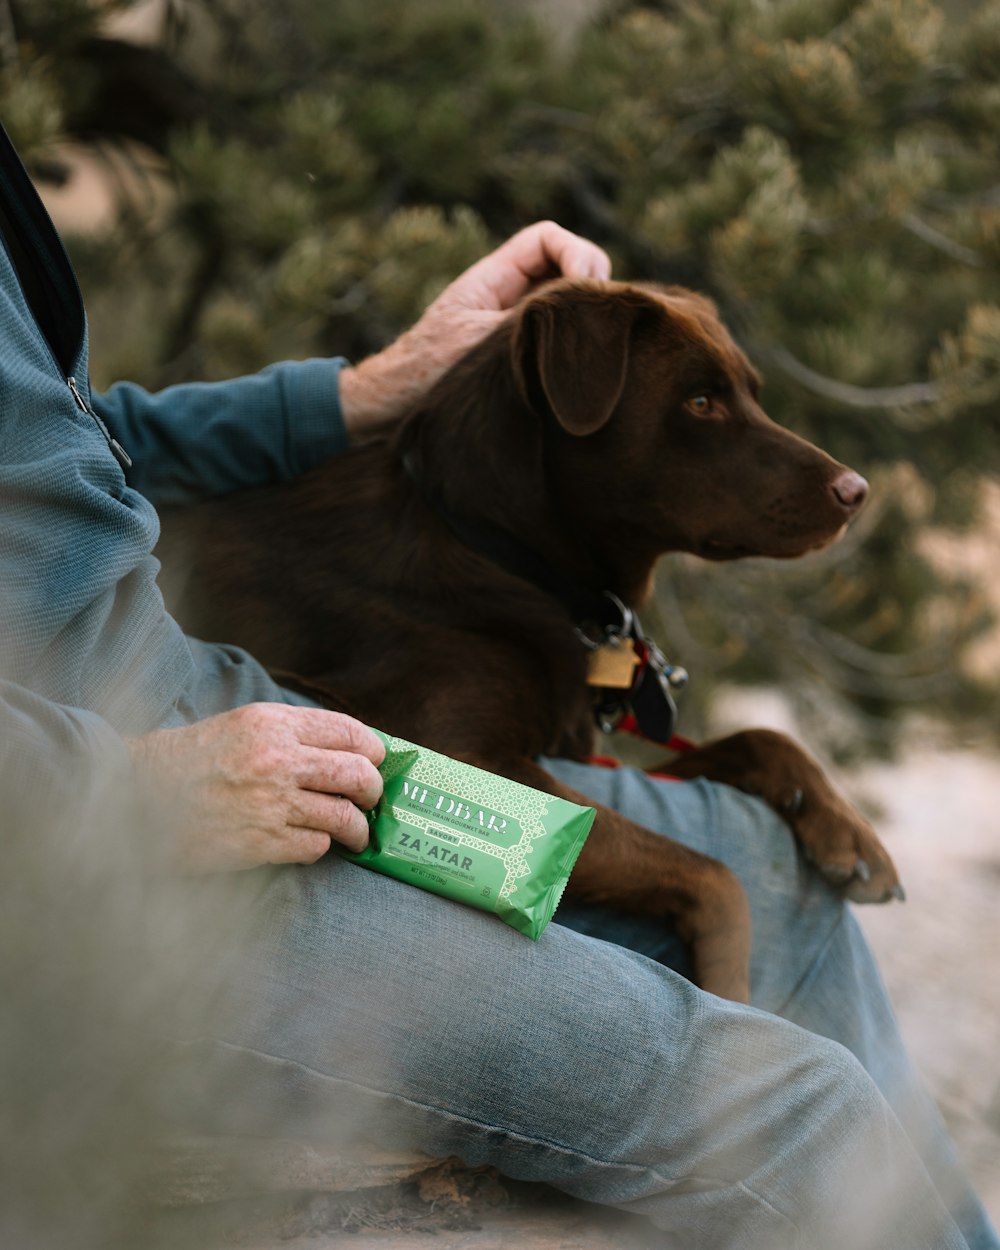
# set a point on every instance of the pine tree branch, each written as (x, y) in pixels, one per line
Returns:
(907, 395)
(957, 251)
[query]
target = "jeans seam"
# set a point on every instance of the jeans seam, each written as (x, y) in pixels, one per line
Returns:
(511, 1135)
(810, 972)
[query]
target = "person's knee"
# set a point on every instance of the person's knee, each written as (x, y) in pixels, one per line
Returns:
(782, 1102)
(829, 1084)
(854, 1167)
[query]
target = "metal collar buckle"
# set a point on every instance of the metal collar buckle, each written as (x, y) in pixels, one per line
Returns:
(594, 634)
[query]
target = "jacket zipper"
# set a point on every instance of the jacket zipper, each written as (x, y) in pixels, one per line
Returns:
(120, 454)
(28, 207)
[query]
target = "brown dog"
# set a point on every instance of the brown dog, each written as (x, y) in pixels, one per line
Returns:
(447, 584)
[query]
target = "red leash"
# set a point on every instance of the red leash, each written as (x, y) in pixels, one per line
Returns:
(628, 725)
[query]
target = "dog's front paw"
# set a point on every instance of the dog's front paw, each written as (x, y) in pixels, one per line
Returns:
(839, 841)
(844, 847)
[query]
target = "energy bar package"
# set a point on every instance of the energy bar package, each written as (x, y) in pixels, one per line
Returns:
(472, 836)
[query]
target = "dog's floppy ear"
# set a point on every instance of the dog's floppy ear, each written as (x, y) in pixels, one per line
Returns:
(574, 342)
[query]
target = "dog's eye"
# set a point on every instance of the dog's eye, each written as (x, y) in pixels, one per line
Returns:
(700, 405)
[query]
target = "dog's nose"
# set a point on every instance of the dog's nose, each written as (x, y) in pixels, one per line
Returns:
(851, 489)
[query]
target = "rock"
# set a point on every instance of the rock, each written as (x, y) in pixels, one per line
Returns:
(233, 1193)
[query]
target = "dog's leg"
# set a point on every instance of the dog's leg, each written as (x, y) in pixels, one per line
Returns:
(839, 841)
(627, 866)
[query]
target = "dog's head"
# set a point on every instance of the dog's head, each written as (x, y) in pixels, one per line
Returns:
(652, 426)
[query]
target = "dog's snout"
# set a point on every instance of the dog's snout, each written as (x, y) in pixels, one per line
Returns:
(851, 489)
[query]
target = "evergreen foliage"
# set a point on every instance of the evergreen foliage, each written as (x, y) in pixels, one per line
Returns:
(826, 169)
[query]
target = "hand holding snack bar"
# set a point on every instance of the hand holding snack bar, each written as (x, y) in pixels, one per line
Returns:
(472, 836)
(264, 784)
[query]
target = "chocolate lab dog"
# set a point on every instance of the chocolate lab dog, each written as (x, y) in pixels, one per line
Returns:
(453, 584)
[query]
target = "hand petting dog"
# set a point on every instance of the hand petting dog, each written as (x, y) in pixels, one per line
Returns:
(376, 393)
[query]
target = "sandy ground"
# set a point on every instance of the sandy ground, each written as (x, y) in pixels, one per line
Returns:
(942, 825)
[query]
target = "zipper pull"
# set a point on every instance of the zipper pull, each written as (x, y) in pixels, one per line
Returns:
(118, 451)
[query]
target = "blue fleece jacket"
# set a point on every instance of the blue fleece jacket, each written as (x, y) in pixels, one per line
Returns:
(82, 623)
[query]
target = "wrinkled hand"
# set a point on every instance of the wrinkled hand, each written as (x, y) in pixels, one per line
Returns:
(264, 784)
(384, 387)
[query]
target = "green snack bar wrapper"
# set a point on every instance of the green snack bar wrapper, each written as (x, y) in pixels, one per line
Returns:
(472, 836)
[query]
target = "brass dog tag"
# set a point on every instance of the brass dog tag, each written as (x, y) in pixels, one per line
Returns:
(612, 665)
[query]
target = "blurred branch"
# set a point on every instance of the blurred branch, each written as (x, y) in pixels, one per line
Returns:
(128, 177)
(8, 37)
(670, 150)
(597, 211)
(879, 663)
(904, 396)
(599, 218)
(957, 251)
(571, 119)
(679, 638)
(846, 676)
(813, 700)
(989, 197)
(182, 335)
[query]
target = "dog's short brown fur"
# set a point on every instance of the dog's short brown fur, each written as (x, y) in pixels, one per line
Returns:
(603, 425)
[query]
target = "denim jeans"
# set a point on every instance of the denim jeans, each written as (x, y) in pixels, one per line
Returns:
(357, 1006)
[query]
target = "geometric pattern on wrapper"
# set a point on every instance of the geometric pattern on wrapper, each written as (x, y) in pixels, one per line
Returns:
(527, 806)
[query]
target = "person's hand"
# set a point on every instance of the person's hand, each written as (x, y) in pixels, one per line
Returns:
(384, 387)
(263, 784)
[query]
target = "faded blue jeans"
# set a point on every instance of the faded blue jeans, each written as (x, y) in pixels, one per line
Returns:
(359, 1006)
